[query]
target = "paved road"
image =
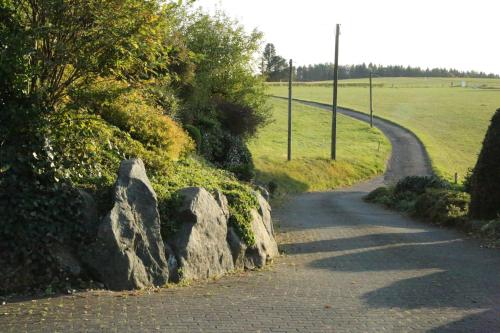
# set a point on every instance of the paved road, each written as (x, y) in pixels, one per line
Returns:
(348, 267)
(409, 157)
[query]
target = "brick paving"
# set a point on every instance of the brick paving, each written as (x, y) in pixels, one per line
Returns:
(348, 267)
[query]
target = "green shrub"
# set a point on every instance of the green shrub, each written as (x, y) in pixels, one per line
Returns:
(128, 109)
(443, 206)
(227, 151)
(485, 182)
(418, 185)
(273, 187)
(38, 215)
(193, 172)
(195, 134)
(240, 120)
(492, 229)
(381, 195)
(467, 184)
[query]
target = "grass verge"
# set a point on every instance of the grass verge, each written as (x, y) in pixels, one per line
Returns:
(449, 119)
(362, 151)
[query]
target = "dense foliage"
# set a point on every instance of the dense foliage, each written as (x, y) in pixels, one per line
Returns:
(485, 179)
(427, 197)
(86, 84)
(225, 101)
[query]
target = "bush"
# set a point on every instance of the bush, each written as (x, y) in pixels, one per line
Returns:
(381, 195)
(240, 120)
(443, 206)
(195, 134)
(128, 109)
(273, 187)
(485, 182)
(467, 184)
(37, 217)
(418, 185)
(492, 229)
(227, 151)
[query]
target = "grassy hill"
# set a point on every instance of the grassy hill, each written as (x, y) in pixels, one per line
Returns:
(450, 119)
(311, 168)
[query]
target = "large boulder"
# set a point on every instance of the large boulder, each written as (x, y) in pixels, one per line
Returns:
(265, 247)
(129, 252)
(200, 243)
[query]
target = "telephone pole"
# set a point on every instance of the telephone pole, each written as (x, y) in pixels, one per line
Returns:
(335, 86)
(371, 101)
(290, 112)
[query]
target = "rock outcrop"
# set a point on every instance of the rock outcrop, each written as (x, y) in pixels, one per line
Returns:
(265, 247)
(129, 252)
(200, 243)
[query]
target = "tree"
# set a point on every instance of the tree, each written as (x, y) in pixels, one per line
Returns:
(275, 66)
(223, 54)
(57, 44)
(267, 57)
(485, 182)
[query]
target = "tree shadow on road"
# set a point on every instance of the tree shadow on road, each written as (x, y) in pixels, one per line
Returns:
(457, 273)
(485, 321)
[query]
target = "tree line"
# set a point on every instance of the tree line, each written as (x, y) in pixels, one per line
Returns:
(275, 68)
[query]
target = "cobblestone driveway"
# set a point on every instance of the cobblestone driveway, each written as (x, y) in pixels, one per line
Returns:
(342, 271)
(347, 266)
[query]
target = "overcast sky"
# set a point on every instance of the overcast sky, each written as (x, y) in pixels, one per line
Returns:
(427, 33)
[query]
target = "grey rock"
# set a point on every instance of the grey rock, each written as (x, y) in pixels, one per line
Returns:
(129, 251)
(238, 248)
(265, 213)
(265, 247)
(173, 266)
(263, 191)
(223, 203)
(200, 243)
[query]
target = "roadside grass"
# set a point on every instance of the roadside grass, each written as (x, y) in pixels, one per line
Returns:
(450, 121)
(362, 151)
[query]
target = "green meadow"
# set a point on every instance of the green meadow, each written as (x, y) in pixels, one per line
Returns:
(311, 168)
(449, 118)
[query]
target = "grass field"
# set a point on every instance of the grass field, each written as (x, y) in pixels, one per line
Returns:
(311, 168)
(450, 119)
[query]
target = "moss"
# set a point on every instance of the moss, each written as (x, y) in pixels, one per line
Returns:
(88, 163)
(195, 172)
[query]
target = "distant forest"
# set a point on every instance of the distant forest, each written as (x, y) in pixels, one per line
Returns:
(275, 68)
(324, 72)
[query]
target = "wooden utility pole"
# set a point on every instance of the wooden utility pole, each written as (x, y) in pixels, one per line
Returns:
(335, 85)
(290, 112)
(371, 101)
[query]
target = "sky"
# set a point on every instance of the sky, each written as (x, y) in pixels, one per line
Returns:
(440, 33)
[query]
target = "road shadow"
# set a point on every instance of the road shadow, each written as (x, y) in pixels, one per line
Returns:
(486, 321)
(317, 210)
(466, 277)
(347, 244)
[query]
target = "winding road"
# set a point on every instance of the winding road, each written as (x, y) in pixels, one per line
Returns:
(347, 266)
